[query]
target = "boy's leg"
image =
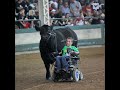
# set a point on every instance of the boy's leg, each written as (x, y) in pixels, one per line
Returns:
(58, 62)
(64, 62)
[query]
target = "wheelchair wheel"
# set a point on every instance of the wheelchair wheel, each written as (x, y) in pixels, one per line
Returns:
(76, 75)
(80, 76)
(55, 77)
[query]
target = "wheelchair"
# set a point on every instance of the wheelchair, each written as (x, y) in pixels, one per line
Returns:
(73, 73)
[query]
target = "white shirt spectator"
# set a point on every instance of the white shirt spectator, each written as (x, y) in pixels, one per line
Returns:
(56, 4)
(96, 6)
(75, 7)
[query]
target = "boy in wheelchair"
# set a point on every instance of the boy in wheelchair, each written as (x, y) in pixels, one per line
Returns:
(66, 63)
(68, 52)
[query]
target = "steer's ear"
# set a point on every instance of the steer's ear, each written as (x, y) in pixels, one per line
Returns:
(37, 28)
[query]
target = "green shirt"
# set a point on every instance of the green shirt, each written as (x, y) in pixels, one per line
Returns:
(64, 50)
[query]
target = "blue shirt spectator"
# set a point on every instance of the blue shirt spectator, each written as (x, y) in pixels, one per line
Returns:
(65, 8)
(75, 8)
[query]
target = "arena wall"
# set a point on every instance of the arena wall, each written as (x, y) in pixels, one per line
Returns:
(28, 39)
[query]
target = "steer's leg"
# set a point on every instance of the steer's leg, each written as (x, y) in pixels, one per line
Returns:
(47, 66)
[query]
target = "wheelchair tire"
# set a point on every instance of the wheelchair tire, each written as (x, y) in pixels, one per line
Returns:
(76, 75)
(80, 76)
(54, 77)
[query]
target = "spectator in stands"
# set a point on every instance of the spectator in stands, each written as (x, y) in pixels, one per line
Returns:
(82, 2)
(21, 16)
(102, 16)
(65, 8)
(88, 13)
(31, 12)
(65, 19)
(22, 4)
(55, 3)
(60, 3)
(25, 5)
(70, 22)
(25, 24)
(75, 8)
(18, 5)
(80, 20)
(53, 11)
(36, 14)
(87, 10)
(96, 18)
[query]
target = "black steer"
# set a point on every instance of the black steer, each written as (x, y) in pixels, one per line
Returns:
(53, 41)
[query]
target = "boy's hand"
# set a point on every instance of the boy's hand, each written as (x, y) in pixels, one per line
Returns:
(57, 53)
(60, 53)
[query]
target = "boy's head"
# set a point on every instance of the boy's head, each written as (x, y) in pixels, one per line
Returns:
(69, 41)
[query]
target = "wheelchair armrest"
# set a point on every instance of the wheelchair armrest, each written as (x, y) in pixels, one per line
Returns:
(75, 58)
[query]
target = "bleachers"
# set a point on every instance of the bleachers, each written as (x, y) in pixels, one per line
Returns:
(29, 13)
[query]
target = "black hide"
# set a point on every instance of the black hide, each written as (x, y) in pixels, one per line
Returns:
(53, 41)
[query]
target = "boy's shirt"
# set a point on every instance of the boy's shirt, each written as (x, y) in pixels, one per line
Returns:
(64, 50)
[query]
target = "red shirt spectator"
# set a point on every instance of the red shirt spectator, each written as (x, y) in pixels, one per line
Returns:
(87, 9)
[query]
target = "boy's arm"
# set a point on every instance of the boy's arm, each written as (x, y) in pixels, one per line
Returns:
(76, 51)
(64, 50)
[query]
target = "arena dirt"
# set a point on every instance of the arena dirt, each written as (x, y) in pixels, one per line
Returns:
(30, 72)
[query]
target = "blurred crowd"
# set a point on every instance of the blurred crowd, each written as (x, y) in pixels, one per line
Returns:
(77, 12)
(62, 12)
(25, 10)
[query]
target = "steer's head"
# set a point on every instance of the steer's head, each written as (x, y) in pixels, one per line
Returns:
(44, 31)
(47, 36)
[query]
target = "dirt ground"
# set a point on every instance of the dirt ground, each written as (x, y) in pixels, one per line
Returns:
(30, 72)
